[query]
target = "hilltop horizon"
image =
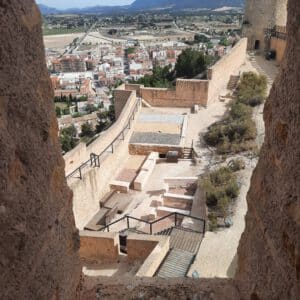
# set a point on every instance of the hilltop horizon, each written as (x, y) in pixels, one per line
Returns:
(137, 5)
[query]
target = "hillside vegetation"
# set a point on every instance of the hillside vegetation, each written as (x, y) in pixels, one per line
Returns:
(237, 131)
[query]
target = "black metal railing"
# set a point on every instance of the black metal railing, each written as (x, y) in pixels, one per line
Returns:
(95, 159)
(177, 216)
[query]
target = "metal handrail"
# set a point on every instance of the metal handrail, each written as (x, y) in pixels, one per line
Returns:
(127, 126)
(151, 223)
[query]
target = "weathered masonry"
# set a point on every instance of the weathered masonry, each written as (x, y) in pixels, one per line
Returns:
(261, 22)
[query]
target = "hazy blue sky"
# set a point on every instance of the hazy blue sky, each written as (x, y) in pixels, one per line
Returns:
(82, 3)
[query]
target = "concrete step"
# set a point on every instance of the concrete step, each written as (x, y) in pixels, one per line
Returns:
(185, 240)
(163, 211)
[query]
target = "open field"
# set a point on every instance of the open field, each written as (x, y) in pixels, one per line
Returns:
(60, 41)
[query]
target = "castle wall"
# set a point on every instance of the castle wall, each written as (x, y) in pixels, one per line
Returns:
(186, 94)
(88, 192)
(81, 153)
(189, 92)
(121, 96)
(260, 15)
(281, 13)
(279, 45)
(219, 74)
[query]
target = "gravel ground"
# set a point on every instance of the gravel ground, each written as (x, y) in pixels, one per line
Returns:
(155, 138)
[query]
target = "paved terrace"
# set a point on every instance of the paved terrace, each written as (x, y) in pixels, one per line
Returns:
(140, 203)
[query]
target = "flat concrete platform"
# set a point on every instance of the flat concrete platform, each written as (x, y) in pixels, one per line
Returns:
(155, 138)
(150, 117)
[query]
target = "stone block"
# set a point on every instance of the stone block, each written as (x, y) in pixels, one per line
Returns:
(120, 186)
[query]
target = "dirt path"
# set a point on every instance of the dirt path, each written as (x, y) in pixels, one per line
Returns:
(217, 254)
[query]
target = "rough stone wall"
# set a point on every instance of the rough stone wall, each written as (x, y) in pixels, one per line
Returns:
(38, 239)
(269, 251)
(186, 94)
(121, 98)
(260, 15)
(158, 288)
(146, 149)
(101, 246)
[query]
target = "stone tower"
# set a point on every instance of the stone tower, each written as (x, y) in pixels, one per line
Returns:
(259, 16)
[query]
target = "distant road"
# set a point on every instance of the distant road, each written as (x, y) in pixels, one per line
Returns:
(74, 46)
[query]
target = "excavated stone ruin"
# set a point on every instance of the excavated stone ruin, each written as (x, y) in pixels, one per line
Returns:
(39, 241)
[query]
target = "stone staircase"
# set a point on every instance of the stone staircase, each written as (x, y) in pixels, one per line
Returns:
(187, 153)
(184, 245)
(233, 82)
(185, 239)
(176, 264)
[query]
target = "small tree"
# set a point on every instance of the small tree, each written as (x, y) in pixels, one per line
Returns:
(90, 108)
(101, 126)
(58, 111)
(252, 89)
(68, 138)
(111, 113)
(87, 130)
(190, 63)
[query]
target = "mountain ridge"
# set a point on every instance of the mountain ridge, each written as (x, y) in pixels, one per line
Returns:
(142, 5)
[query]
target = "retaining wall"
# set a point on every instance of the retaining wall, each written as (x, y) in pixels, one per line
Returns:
(186, 94)
(101, 246)
(88, 192)
(219, 74)
(148, 248)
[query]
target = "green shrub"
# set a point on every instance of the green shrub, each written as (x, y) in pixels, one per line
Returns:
(68, 138)
(221, 176)
(236, 165)
(223, 205)
(213, 221)
(240, 111)
(232, 189)
(220, 188)
(252, 89)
